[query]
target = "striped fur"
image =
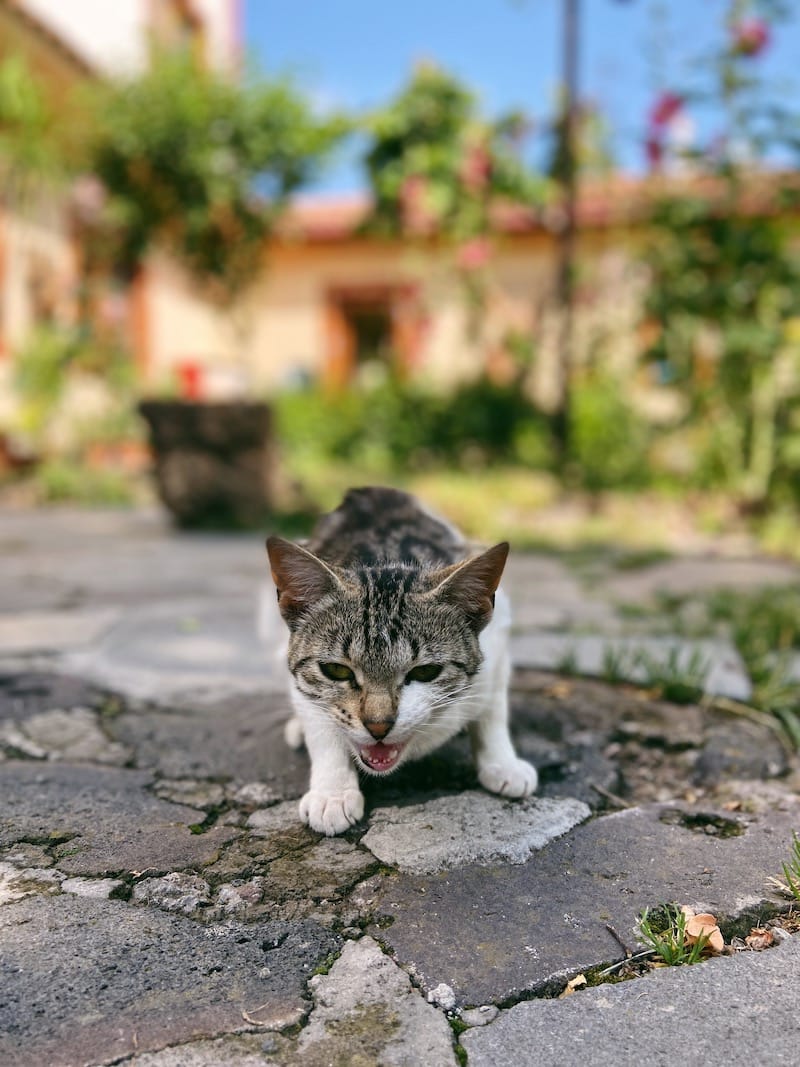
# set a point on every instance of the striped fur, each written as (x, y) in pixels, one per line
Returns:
(382, 593)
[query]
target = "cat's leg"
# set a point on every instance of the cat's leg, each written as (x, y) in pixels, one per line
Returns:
(499, 768)
(334, 801)
(293, 732)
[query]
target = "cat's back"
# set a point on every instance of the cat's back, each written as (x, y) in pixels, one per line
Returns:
(375, 525)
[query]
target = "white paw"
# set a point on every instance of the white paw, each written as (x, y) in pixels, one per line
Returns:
(511, 778)
(332, 814)
(293, 733)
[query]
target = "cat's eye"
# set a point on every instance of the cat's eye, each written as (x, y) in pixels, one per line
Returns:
(425, 672)
(337, 672)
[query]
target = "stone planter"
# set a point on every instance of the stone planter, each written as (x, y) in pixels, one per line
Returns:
(213, 461)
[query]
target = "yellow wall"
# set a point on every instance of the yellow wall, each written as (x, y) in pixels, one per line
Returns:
(282, 328)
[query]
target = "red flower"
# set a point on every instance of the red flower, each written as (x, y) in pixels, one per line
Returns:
(665, 109)
(654, 150)
(750, 37)
(474, 253)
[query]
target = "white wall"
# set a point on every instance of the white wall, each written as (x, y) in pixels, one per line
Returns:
(111, 34)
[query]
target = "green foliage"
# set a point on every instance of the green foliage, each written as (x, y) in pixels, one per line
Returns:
(664, 930)
(396, 426)
(791, 870)
(436, 166)
(609, 441)
(725, 293)
(675, 677)
(765, 627)
(202, 165)
(43, 366)
(724, 300)
(65, 480)
(28, 146)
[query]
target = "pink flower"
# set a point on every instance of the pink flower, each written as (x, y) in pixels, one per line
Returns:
(473, 254)
(89, 198)
(750, 37)
(415, 210)
(475, 168)
(665, 108)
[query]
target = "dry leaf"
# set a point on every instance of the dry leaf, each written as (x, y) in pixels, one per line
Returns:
(574, 983)
(759, 938)
(703, 925)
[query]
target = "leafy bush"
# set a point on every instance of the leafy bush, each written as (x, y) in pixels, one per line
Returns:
(435, 165)
(52, 364)
(609, 441)
(202, 165)
(397, 425)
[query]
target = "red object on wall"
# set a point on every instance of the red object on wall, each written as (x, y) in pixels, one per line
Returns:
(190, 378)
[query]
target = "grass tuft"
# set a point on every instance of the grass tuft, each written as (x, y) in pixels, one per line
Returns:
(791, 870)
(664, 930)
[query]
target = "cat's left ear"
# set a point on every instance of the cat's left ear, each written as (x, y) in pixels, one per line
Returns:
(472, 584)
(300, 578)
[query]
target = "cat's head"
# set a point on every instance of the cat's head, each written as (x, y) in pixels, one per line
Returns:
(386, 652)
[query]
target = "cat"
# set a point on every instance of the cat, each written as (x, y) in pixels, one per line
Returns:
(396, 641)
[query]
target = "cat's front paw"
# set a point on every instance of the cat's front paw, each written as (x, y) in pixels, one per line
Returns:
(332, 814)
(511, 778)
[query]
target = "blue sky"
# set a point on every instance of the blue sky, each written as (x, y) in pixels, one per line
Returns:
(356, 54)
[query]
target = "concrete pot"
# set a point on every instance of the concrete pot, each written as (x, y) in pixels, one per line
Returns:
(213, 461)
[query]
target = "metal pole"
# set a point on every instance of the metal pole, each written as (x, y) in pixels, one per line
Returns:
(567, 234)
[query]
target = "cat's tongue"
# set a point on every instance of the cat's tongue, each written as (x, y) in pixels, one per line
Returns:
(380, 757)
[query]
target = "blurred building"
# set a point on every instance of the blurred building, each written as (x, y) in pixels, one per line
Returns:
(65, 45)
(334, 304)
(118, 37)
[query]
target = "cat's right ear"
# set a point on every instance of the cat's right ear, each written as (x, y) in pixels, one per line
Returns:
(300, 578)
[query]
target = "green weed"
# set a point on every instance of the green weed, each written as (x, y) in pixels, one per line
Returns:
(791, 870)
(617, 665)
(664, 930)
(674, 678)
(567, 663)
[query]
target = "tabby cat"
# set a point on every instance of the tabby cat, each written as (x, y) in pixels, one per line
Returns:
(396, 641)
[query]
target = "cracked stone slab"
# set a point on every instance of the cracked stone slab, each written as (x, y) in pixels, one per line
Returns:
(16, 883)
(496, 933)
(692, 576)
(586, 653)
(239, 737)
(190, 791)
(737, 1011)
(101, 820)
(366, 1011)
(53, 631)
(25, 693)
(242, 1050)
(471, 827)
(60, 734)
(164, 650)
(176, 891)
(127, 979)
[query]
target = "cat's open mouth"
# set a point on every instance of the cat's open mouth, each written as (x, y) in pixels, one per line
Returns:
(379, 757)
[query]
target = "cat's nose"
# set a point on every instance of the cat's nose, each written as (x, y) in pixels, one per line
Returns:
(379, 730)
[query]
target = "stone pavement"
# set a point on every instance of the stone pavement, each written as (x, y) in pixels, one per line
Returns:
(162, 906)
